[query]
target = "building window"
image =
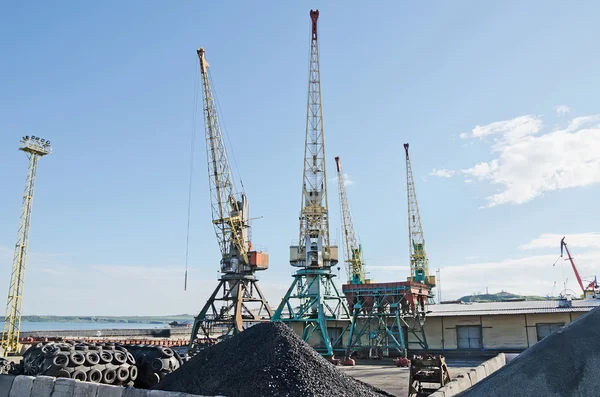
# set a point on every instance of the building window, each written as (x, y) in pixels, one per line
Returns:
(468, 336)
(544, 330)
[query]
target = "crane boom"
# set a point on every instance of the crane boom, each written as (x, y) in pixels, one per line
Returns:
(353, 250)
(419, 271)
(577, 276)
(313, 242)
(229, 212)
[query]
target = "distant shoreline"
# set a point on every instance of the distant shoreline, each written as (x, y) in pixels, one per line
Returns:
(108, 319)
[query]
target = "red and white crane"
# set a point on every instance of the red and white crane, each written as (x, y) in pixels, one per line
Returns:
(592, 288)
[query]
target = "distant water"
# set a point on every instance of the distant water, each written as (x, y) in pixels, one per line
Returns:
(48, 326)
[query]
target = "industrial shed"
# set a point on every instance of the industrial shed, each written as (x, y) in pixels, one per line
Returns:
(476, 328)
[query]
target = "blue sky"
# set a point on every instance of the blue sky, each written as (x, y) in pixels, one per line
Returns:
(111, 84)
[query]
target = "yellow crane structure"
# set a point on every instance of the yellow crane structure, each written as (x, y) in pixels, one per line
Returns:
(355, 265)
(241, 300)
(419, 264)
(35, 148)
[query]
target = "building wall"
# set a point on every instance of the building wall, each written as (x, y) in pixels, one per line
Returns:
(498, 332)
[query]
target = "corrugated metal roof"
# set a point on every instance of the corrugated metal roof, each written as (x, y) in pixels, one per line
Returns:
(503, 308)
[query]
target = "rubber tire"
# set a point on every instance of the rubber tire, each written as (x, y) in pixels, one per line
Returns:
(119, 357)
(133, 372)
(109, 376)
(157, 365)
(94, 375)
(79, 375)
(61, 360)
(122, 374)
(106, 357)
(76, 359)
(167, 352)
(92, 358)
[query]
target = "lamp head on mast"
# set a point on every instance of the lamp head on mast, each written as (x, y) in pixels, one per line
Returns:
(35, 145)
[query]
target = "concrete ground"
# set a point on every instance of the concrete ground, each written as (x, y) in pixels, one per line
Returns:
(386, 376)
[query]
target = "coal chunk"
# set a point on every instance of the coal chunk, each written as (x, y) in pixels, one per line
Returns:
(267, 359)
(566, 363)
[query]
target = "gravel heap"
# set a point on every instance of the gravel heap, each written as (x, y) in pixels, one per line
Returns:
(267, 359)
(565, 363)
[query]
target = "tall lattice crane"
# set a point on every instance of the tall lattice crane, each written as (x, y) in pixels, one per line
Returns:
(314, 255)
(35, 148)
(419, 271)
(238, 292)
(355, 266)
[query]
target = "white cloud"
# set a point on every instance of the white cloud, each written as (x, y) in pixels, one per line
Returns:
(443, 173)
(548, 240)
(468, 181)
(526, 164)
(561, 110)
(347, 180)
(510, 129)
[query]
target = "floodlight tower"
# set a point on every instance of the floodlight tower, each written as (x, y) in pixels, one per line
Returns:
(314, 255)
(35, 148)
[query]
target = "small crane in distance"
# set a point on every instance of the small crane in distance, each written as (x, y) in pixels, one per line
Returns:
(355, 266)
(419, 271)
(592, 290)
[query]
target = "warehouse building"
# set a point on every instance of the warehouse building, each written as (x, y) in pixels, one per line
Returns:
(476, 328)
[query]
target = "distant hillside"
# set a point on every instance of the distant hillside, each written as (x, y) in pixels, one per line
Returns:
(501, 296)
(109, 319)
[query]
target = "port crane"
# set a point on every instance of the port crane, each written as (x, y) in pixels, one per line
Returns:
(320, 300)
(241, 299)
(384, 314)
(592, 290)
(355, 266)
(419, 264)
(35, 148)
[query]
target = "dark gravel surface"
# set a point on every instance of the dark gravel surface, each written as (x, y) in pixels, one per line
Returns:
(565, 363)
(267, 359)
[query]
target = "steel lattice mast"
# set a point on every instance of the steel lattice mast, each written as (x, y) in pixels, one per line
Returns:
(355, 267)
(238, 292)
(313, 286)
(34, 147)
(419, 271)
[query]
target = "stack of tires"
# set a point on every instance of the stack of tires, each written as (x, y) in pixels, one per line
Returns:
(154, 363)
(99, 363)
(8, 367)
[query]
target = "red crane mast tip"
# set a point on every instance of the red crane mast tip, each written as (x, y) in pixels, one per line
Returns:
(314, 16)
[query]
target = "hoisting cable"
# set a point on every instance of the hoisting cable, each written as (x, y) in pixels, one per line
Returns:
(222, 119)
(192, 150)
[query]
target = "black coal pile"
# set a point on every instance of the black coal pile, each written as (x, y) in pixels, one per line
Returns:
(565, 363)
(265, 360)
